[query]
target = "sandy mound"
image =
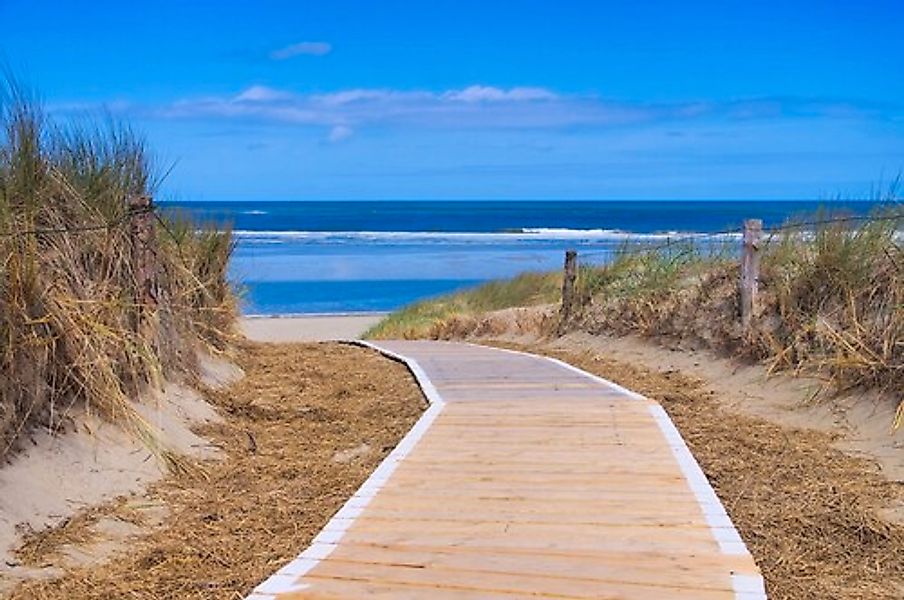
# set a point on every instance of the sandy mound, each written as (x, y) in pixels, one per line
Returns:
(93, 461)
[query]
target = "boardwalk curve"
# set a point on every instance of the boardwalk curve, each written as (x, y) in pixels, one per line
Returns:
(525, 478)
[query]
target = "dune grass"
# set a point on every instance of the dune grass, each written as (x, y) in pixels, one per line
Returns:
(69, 308)
(831, 300)
(416, 320)
(630, 273)
(838, 293)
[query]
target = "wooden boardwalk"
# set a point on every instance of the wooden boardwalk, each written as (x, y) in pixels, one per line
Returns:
(526, 478)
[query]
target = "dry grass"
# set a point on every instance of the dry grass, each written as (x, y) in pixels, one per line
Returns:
(425, 319)
(831, 303)
(42, 548)
(839, 298)
(810, 515)
(71, 321)
(238, 520)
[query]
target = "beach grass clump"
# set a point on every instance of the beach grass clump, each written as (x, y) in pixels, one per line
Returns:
(635, 272)
(430, 317)
(831, 300)
(75, 327)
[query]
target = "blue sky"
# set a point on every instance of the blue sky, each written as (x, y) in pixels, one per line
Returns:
(484, 100)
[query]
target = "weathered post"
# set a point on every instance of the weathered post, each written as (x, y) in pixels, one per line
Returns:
(144, 256)
(568, 281)
(750, 269)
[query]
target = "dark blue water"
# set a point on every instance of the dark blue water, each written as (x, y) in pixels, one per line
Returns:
(503, 216)
(332, 257)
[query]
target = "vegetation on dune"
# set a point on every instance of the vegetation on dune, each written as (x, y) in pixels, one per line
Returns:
(285, 428)
(73, 324)
(831, 301)
(421, 318)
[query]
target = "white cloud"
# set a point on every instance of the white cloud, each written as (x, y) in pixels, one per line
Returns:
(483, 93)
(340, 133)
(351, 96)
(301, 48)
(343, 112)
(261, 93)
(471, 106)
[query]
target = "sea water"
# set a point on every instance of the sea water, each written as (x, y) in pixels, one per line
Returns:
(350, 257)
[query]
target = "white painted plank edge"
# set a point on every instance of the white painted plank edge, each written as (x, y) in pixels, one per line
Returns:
(286, 579)
(746, 586)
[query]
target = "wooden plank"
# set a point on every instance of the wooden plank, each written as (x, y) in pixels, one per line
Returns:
(575, 540)
(533, 480)
(525, 584)
(668, 571)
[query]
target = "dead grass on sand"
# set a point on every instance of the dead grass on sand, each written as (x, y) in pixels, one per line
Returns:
(301, 432)
(810, 515)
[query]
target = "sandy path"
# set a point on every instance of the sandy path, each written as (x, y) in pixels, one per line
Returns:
(308, 328)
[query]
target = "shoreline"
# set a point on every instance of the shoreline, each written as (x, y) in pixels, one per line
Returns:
(308, 327)
(317, 315)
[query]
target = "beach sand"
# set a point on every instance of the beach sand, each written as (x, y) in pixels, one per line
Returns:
(317, 421)
(308, 328)
(93, 461)
(108, 462)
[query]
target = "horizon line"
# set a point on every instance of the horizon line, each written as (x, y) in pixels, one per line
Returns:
(562, 200)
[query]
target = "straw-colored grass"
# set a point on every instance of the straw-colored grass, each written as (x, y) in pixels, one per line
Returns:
(71, 323)
(420, 319)
(831, 301)
(282, 476)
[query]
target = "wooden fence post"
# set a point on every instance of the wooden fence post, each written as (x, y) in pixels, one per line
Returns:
(144, 255)
(750, 269)
(568, 280)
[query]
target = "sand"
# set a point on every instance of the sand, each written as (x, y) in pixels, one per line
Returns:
(803, 530)
(299, 434)
(54, 477)
(860, 420)
(312, 328)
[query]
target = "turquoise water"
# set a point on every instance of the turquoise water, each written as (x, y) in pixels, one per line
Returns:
(334, 257)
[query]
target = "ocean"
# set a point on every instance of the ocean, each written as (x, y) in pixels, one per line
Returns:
(353, 257)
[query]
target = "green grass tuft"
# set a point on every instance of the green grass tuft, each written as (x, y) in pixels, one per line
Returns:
(416, 320)
(831, 300)
(71, 327)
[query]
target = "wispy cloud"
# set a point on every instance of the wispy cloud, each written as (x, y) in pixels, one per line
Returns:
(340, 133)
(300, 49)
(483, 93)
(261, 93)
(474, 106)
(344, 112)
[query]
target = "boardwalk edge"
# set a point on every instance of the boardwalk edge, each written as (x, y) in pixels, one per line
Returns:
(746, 586)
(286, 580)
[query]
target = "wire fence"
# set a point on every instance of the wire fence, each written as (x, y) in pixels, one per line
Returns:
(748, 253)
(678, 239)
(122, 220)
(683, 243)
